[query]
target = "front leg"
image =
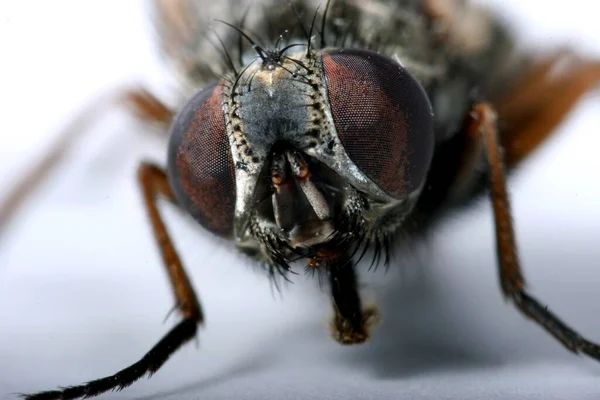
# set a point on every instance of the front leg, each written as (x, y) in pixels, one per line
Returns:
(145, 106)
(351, 322)
(483, 127)
(153, 181)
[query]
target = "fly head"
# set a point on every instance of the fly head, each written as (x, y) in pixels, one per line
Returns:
(305, 154)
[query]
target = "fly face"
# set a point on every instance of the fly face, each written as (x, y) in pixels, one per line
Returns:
(304, 154)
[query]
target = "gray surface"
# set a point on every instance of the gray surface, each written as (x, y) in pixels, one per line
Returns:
(82, 293)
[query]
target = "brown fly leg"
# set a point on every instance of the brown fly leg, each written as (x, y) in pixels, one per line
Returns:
(147, 107)
(143, 104)
(484, 124)
(153, 182)
(540, 100)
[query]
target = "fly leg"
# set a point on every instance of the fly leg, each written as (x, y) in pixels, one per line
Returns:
(153, 181)
(351, 322)
(147, 107)
(142, 103)
(542, 96)
(483, 124)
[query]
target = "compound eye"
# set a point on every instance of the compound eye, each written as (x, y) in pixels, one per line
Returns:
(382, 116)
(200, 165)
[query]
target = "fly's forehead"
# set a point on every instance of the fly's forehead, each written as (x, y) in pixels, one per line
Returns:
(285, 101)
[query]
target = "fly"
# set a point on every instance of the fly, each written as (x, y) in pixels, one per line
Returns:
(336, 130)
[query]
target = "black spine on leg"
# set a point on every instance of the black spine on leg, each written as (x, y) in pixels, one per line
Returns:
(148, 365)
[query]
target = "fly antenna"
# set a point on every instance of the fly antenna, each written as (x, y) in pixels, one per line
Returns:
(310, 32)
(259, 50)
(241, 38)
(280, 39)
(299, 21)
(323, 21)
(286, 48)
(226, 53)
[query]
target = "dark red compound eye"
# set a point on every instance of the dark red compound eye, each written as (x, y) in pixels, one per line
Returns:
(200, 165)
(383, 118)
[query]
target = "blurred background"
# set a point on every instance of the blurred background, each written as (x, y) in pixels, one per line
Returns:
(83, 293)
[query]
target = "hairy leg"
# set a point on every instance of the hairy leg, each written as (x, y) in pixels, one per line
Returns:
(540, 100)
(351, 323)
(153, 181)
(484, 125)
(143, 104)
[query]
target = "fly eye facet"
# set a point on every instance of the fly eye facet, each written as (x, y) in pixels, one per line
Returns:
(382, 116)
(200, 164)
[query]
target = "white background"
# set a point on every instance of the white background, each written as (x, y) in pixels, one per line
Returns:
(83, 294)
